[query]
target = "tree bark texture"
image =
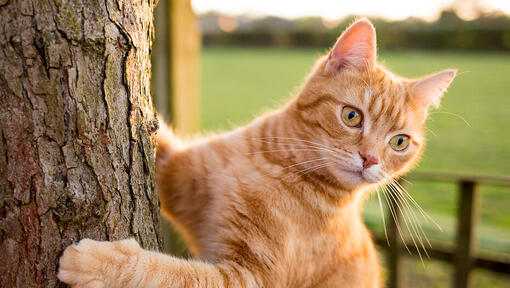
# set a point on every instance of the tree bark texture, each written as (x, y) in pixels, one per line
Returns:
(76, 126)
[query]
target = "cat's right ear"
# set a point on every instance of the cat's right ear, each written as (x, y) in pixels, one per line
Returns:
(428, 90)
(355, 48)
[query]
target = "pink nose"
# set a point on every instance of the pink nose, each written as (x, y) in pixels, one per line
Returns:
(368, 160)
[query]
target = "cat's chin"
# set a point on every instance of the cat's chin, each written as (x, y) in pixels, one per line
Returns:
(355, 179)
(349, 179)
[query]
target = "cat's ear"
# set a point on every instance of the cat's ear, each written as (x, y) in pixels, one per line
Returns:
(355, 48)
(427, 91)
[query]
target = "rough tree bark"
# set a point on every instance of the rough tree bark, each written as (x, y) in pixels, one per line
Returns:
(76, 125)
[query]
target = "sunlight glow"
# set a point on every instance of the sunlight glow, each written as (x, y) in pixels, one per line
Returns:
(227, 23)
(332, 9)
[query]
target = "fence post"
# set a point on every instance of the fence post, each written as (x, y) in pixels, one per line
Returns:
(396, 267)
(185, 43)
(466, 233)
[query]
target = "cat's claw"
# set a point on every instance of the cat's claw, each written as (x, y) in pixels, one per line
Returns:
(92, 264)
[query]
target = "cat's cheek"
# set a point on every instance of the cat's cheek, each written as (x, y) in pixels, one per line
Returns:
(400, 164)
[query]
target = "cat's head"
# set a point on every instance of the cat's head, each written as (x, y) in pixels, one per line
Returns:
(372, 118)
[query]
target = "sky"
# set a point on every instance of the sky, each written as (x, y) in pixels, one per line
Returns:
(334, 9)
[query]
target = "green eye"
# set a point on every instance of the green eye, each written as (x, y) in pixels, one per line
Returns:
(399, 142)
(351, 116)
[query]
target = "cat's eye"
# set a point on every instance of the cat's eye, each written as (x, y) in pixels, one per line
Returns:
(351, 116)
(399, 142)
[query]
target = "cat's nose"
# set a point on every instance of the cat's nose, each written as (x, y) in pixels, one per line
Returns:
(368, 160)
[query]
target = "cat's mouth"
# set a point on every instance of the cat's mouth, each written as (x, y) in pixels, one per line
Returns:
(372, 174)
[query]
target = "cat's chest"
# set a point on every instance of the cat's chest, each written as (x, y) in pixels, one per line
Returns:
(317, 258)
(312, 255)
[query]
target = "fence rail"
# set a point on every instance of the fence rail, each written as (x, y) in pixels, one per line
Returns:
(464, 256)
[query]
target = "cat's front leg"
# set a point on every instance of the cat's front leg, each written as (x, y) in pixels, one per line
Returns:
(123, 264)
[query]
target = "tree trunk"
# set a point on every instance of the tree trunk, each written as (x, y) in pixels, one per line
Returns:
(76, 126)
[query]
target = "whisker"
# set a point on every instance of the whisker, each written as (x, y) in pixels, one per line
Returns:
(408, 196)
(402, 210)
(424, 214)
(397, 223)
(399, 191)
(311, 169)
(430, 130)
(404, 179)
(293, 165)
(336, 152)
(412, 220)
(411, 230)
(289, 144)
(299, 145)
(304, 162)
(295, 139)
(383, 216)
(307, 168)
(400, 194)
(453, 114)
(283, 150)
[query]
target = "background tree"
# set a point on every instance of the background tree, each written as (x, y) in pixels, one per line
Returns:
(76, 119)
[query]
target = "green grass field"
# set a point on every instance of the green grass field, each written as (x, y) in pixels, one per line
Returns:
(240, 83)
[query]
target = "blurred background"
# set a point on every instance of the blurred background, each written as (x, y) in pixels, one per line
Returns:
(219, 64)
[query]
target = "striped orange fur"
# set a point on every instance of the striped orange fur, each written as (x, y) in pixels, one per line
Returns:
(278, 203)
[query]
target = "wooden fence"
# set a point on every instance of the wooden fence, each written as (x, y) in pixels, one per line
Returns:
(463, 257)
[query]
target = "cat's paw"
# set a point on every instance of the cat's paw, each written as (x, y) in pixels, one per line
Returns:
(92, 264)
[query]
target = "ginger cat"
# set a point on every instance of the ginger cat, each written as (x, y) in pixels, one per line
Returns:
(278, 203)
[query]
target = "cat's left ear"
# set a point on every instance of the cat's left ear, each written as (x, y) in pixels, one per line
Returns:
(428, 90)
(355, 48)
